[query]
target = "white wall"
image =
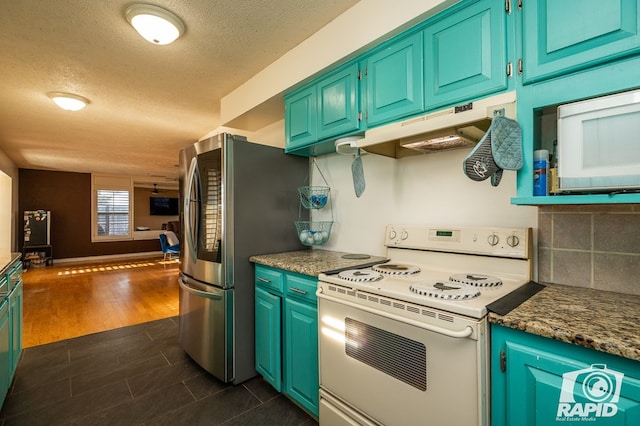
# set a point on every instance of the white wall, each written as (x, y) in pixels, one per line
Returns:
(360, 27)
(421, 190)
(5, 213)
(9, 218)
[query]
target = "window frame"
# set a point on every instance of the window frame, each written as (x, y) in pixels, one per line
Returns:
(110, 183)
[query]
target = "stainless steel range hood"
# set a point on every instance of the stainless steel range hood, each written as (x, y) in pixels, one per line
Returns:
(457, 127)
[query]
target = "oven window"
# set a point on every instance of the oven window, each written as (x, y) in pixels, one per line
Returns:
(396, 356)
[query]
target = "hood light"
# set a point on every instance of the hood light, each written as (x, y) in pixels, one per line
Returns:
(347, 145)
(155, 24)
(68, 101)
(451, 139)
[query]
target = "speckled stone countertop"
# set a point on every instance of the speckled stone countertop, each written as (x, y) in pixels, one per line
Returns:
(600, 320)
(7, 259)
(312, 262)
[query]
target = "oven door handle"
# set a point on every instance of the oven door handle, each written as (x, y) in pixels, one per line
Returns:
(466, 332)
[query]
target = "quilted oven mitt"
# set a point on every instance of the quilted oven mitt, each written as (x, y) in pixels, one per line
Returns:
(506, 143)
(500, 148)
(479, 164)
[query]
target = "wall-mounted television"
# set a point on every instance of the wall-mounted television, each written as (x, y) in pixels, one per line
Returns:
(163, 206)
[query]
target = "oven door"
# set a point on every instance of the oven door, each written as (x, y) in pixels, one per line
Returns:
(398, 371)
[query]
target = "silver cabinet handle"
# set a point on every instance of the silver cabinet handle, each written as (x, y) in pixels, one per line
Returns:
(297, 290)
(264, 280)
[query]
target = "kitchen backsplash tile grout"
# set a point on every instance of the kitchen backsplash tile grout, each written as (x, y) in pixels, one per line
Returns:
(594, 246)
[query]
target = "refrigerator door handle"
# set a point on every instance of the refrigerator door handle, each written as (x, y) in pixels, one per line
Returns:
(200, 293)
(190, 221)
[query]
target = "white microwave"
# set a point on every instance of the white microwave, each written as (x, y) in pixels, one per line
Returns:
(599, 144)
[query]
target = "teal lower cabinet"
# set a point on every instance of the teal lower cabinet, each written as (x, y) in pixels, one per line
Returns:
(10, 325)
(540, 381)
(15, 321)
(301, 378)
(5, 336)
(268, 337)
(286, 327)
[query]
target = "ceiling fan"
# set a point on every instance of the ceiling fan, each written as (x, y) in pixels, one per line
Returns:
(155, 189)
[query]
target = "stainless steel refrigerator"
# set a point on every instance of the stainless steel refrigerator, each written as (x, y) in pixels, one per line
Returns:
(238, 199)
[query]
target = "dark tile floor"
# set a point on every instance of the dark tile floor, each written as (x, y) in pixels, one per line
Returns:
(135, 375)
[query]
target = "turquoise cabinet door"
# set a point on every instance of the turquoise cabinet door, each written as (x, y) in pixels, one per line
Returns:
(547, 382)
(565, 36)
(5, 358)
(15, 320)
(338, 102)
(300, 118)
(394, 81)
(268, 337)
(466, 54)
(301, 354)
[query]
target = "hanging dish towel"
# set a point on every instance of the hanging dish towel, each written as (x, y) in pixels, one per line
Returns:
(357, 173)
(500, 148)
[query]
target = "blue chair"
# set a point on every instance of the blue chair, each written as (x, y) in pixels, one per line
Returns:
(168, 250)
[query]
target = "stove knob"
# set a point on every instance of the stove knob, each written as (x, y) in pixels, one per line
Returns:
(404, 235)
(392, 234)
(493, 240)
(513, 241)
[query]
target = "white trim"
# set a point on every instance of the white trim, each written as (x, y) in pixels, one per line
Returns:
(115, 183)
(152, 234)
(108, 257)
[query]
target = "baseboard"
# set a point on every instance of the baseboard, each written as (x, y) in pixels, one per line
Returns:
(108, 257)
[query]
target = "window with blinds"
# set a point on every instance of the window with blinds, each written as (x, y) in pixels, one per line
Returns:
(113, 212)
(112, 208)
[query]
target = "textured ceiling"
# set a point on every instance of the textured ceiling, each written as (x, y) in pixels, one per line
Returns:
(147, 101)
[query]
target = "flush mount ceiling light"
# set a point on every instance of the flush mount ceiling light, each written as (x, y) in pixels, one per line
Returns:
(68, 101)
(154, 24)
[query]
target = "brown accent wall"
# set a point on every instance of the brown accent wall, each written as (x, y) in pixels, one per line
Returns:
(68, 197)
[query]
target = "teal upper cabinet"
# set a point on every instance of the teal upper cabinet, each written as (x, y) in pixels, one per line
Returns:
(338, 102)
(566, 36)
(394, 81)
(301, 117)
(466, 54)
(325, 108)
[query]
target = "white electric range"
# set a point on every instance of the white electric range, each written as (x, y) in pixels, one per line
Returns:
(405, 342)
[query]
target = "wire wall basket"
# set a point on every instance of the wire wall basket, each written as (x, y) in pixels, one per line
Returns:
(313, 233)
(314, 197)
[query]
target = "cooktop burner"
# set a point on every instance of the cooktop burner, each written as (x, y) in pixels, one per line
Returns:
(396, 269)
(476, 280)
(360, 275)
(448, 290)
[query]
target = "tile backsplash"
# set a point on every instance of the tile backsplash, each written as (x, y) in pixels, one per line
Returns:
(595, 246)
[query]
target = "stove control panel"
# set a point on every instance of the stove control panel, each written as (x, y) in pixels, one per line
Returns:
(508, 242)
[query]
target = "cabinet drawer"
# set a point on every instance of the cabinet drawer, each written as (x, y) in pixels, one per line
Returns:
(269, 279)
(303, 288)
(14, 274)
(4, 286)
